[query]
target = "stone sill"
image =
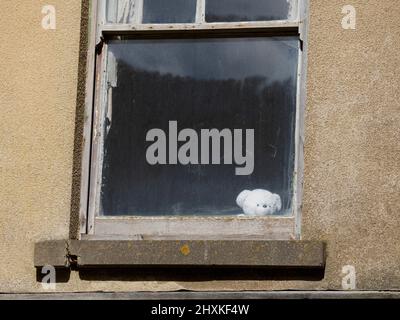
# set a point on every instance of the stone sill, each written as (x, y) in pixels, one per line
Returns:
(165, 253)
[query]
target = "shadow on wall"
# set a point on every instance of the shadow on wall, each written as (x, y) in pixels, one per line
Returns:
(190, 274)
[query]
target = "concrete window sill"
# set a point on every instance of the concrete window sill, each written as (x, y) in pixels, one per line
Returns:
(228, 254)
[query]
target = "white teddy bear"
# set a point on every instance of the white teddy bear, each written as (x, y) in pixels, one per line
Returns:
(259, 202)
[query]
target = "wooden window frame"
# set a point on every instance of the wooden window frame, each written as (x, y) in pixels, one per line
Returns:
(180, 228)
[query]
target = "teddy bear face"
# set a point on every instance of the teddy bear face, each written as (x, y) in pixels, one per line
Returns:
(259, 202)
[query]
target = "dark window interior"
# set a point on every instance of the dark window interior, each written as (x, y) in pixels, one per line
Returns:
(246, 10)
(204, 83)
(169, 11)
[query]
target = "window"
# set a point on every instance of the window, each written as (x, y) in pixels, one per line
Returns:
(195, 102)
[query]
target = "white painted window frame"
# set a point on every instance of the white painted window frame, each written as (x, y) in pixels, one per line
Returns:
(95, 227)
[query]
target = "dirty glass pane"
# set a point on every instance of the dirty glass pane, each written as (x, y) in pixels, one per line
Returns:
(171, 11)
(249, 10)
(120, 11)
(158, 88)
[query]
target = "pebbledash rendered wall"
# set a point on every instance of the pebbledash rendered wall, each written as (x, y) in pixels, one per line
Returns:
(352, 149)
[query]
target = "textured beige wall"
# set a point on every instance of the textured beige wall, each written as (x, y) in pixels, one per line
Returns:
(352, 167)
(37, 97)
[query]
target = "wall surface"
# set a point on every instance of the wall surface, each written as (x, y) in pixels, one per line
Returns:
(352, 152)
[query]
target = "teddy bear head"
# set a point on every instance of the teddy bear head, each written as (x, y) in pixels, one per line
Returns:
(259, 202)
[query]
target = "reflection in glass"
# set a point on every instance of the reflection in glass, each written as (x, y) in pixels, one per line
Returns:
(171, 11)
(248, 10)
(120, 11)
(222, 83)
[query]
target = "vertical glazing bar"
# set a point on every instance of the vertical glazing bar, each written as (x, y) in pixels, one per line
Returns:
(201, 11)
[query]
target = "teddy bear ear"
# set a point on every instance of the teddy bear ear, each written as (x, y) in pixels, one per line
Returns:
(278, 202)
(242, 197)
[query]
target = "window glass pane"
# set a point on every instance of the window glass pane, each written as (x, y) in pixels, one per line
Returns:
(120, 11)
(249, 10)
(171, 11)
(236, 84)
